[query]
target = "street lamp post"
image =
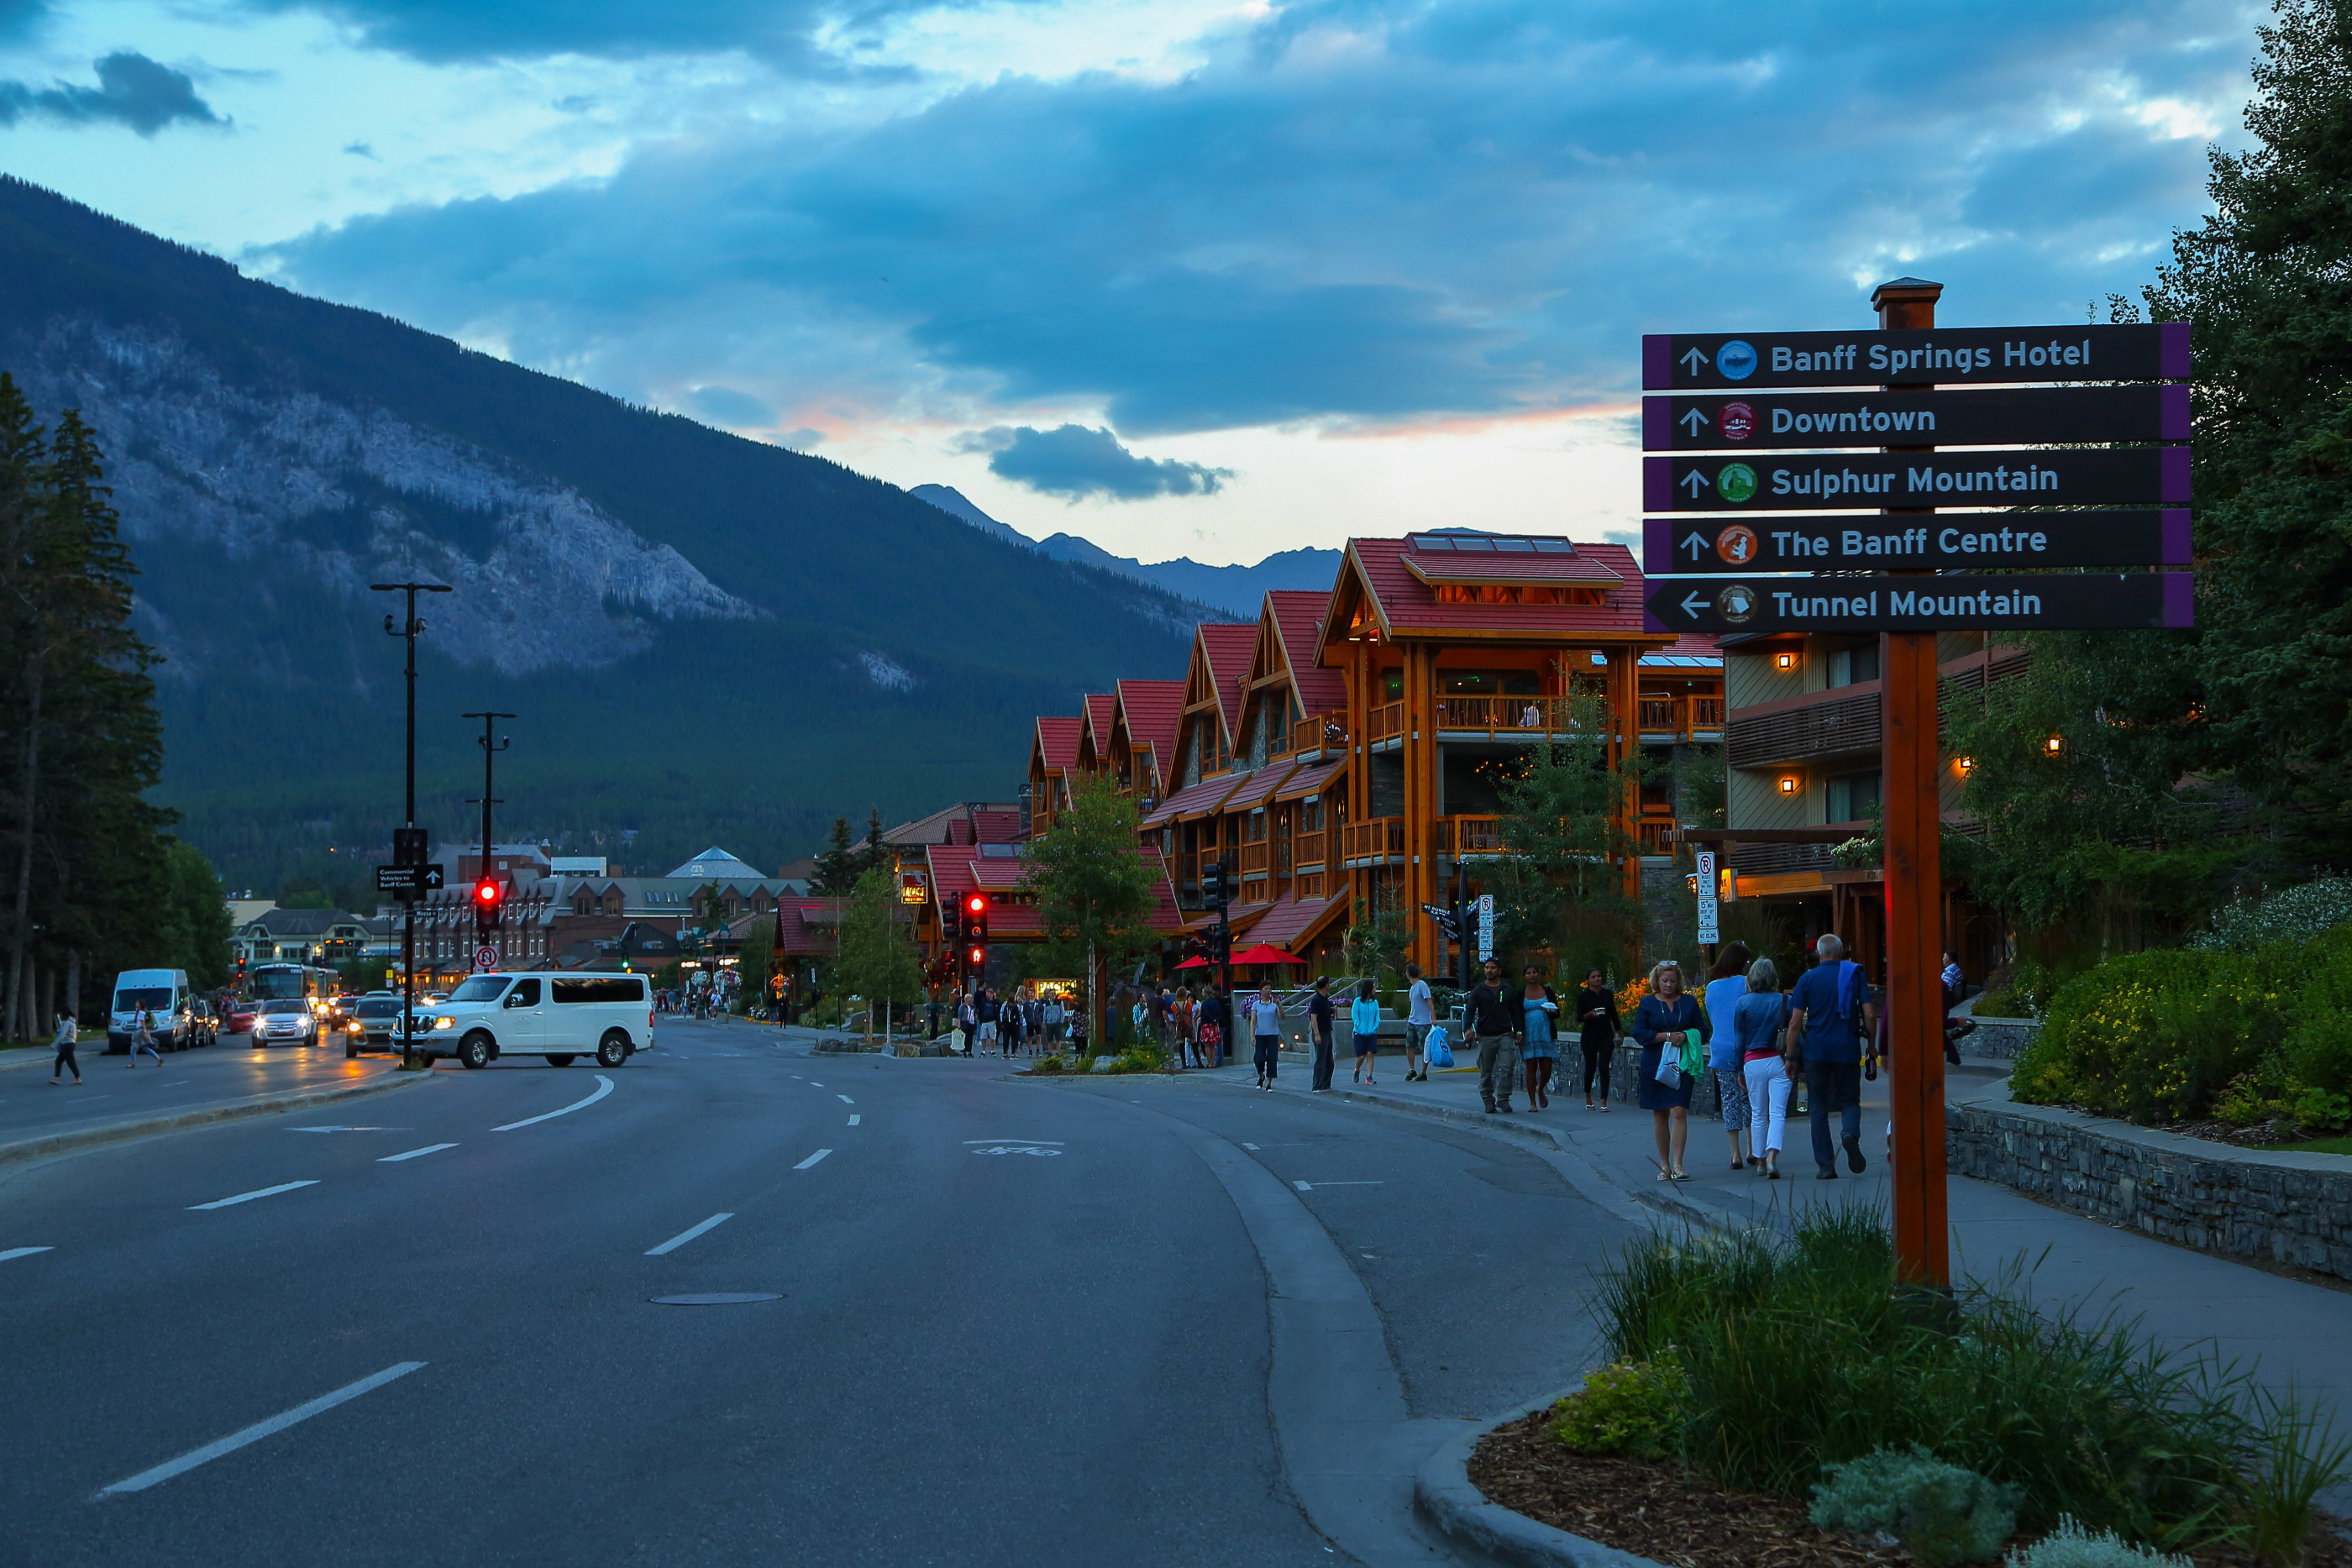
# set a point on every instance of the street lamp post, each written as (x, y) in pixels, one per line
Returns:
(489, 757)
(406, 850)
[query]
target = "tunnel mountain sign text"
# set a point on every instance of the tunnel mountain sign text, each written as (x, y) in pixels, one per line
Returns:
(2057, 602)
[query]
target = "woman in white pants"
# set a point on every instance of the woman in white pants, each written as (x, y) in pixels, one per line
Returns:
(1759, 1021)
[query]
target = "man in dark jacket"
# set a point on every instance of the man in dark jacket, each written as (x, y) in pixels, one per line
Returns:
(1495, 1018)
(1319, 1013)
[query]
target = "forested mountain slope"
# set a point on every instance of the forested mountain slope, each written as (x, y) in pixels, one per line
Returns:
(703, 637)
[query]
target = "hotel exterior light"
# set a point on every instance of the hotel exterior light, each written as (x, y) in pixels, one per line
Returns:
(2053, 745)
(1784, 661)
(1965, 763)
(1790, 783)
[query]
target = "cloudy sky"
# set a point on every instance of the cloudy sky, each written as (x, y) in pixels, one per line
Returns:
(1183, 276)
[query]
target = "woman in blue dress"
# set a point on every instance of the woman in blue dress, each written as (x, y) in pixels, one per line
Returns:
(1541, 1048)
(1660, 1024)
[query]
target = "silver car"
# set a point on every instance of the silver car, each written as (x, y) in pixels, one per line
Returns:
(286, 1021)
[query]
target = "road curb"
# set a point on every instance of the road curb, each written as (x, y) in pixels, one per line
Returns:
(118, 1131)
(1445, 1500)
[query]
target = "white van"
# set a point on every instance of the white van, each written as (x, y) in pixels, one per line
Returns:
(557, 1016)
(162, 992)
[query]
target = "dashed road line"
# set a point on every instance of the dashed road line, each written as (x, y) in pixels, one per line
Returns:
(249, 1197)
(258, 1430)
(427, 1149)
(1310, 1186)
(812, 1159)
(844, 1100)
(683, 1237)
(7, 1253)
(852, 1118)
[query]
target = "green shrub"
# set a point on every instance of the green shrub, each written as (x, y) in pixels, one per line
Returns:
(1635, 1407)
(2072, 1546)
(2298, 912)
(1049, 1065)
(1804, 1351)
(1943, 1514)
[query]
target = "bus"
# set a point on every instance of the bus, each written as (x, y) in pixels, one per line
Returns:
(284, 982)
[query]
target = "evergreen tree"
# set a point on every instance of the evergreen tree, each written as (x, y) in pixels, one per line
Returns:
(1095, 893)
(878, 960)
(1561, 884)
(837, 867)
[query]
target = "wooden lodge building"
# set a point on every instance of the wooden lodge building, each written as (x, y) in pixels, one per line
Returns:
(1344, 745)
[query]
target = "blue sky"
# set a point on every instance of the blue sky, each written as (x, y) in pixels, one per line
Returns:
(1183, 277)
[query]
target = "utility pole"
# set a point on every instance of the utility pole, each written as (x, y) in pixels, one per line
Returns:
(490, 757)
(408, 845)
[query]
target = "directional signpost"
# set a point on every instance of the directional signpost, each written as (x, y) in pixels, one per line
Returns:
(1709, 927)
(407, 879)
(1750, 488)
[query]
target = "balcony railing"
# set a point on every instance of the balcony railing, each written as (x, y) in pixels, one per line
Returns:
(1469, 835)
(1384, 722)
(1318, 731)
(1503, 716)
(1799, 734)
(1257, 859)
(1310, 852)
(1680, 715)
(1382, 838)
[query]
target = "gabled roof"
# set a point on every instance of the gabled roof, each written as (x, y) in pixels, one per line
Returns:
(1258, 787)
(715, 861)
(1287, 923)
(957, 869)
(1057, 742)
(1224, 648)
(1151, 711)
(1312, 780)
(1095, 715)
(1295, 619)
(1400, 602)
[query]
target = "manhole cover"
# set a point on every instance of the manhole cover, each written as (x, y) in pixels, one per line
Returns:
(719, 1298)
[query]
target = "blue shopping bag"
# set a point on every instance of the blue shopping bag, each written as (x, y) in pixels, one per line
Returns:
(1435, 1051)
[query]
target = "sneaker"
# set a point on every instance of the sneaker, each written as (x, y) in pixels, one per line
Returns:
(1829, 1173)
(1854, 1155)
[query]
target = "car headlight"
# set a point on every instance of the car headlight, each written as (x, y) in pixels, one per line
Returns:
(445, 1023)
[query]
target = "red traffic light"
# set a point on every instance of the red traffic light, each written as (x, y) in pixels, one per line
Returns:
(975, 904)
(487, 893)
(976, 958)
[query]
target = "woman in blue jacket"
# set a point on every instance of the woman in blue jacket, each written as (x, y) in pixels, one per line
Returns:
(1665, 1017)
(1364, 1017)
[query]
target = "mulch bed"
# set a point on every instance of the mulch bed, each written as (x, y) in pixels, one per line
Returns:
(1652, 1509)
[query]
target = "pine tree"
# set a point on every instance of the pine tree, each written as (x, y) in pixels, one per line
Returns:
(837, 868)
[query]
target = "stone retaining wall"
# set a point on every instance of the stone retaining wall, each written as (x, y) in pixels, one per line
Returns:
(2002, 1038)
(2273, 1206)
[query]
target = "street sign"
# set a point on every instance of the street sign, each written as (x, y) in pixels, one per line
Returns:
(1708, 928)
(407, 878)
(1702, 362)
(408, 845)
(485, 958)
(1485, 926)
(2058, 602)
(1946, 541)
(1716, 422)
(1870, 481)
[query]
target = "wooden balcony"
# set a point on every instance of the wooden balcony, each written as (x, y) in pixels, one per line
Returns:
(1652, 831)
(1503, 718)
(1310, 852)
(1461, 836)
(1317, 732)
(1832, 727)
(1683, 717)
(1385, 722)
(1375, 842)
(1257, 859)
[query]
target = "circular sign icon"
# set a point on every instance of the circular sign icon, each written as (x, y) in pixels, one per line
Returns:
(1736, 603)
(1735, 482)
(1735, 360)
(485, 958)
(1736, 421)
(1737, 544)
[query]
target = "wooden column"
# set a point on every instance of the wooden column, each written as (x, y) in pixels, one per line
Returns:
(1626, 722)
(1360, 707)
(1910, 768)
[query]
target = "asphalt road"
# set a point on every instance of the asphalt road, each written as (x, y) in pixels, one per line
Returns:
(1015, 1322)
(113, 1090)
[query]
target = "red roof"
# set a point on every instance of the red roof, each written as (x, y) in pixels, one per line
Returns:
(1287, 923)
(957, 869)
(1153, 710)
(1311, 781)
(1201, 800)
(1057, 740)
(1227, 648)
(799, 936)
(1449, 557)
(997, 827)
(1406, 604)
(1095, 713)
(1257, 787)
(1298, 621)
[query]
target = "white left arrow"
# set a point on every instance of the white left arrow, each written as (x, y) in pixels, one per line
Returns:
(1693, 603)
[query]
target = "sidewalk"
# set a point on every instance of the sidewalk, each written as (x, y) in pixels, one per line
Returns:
(2189, 1299)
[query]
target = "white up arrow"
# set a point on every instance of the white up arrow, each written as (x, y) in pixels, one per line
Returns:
(1695, 479)
(1692, 358)
(1694, 419)
(1696, 545)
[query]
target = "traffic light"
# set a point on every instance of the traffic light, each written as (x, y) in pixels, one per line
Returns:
(1220, 945)
(1213, 892)
(489, 897)
(976, 958)
(975, 919)
(951, 925)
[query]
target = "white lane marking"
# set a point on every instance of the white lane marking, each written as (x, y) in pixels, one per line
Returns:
(23, 1252)
(427, 1149)
(258, 1430)
(604, 1087)
(815, 1085)
(852, 1118)
(683, 1237)
(1306, 1187)
(249, 1197)
(1038, 1150)
(812, 1159)
(1249, 1146)
(798, 1078)
(337, 1129)
(1302, 1187)
(1055, 1142)
(844, 1100)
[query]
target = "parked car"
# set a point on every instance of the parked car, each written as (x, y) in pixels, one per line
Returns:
(562, 1016)
(239, 1018)
(285, 1020)
(374, 1024)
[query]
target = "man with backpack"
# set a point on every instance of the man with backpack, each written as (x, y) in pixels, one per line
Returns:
(1831, 1014)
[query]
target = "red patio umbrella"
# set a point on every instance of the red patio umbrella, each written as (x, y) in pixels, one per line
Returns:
(1193, 964)
(1266, 952)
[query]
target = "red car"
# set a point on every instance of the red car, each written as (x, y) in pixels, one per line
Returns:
(236, 1016)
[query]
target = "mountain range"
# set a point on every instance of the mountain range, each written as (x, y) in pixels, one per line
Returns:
(703, 638)
(1234, 592)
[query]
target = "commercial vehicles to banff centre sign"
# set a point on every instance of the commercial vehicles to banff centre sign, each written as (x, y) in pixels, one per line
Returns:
(1754, 472)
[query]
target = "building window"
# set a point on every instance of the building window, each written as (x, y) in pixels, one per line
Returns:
(1852, 666)
(1853, 796)
(1514, 593)
(1489, 682)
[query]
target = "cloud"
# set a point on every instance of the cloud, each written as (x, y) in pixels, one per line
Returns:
(1074, 462)
(726, 406)
(1358, 213)
(131, 90)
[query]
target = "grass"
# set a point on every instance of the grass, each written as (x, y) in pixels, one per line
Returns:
(1804, 1351)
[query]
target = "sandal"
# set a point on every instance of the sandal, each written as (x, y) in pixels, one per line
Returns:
(1682, 1175)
